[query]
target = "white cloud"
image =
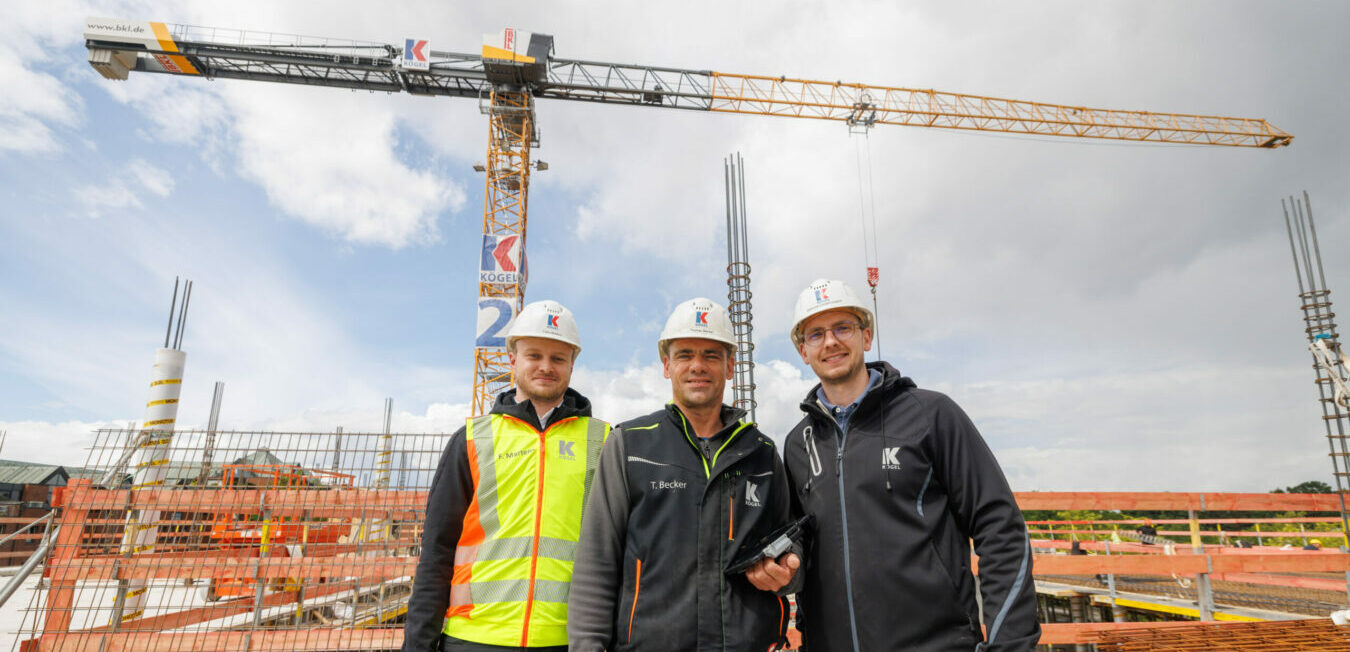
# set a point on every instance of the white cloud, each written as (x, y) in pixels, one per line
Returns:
(153, 179)
(32, 102)
(335, 165)
(342, 167)
(65, 443)
(124, 188)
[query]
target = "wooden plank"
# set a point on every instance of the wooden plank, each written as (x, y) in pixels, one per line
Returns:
(1168, 500)
(1184, 564)
(1132, 523)
(308, 640)
(210, 566)
(1067, 633)
(1208, 534)
(1267, 579)
(61, 597)
(1119, 564)
(317, 503)
(1319, 562)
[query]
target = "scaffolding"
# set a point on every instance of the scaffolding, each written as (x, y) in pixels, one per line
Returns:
(291, 541)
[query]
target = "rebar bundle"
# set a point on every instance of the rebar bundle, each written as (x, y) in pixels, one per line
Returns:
(738, 286)
(1320, 329)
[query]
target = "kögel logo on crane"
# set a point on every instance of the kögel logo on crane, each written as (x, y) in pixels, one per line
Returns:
(500, 261)
(415, 53)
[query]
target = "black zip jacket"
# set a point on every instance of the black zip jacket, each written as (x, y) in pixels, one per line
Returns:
(662, 523)
(447, 501)
(897, 499)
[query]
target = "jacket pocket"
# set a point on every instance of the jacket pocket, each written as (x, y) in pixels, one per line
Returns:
(950, 589)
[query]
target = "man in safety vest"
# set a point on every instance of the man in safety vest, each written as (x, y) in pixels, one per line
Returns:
(899, 482)
(504, 510)
(677, 494)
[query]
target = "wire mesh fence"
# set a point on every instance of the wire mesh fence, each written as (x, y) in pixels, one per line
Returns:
(241, 541)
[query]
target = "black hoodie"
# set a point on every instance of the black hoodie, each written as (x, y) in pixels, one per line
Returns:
(447, 501)
(897, 499)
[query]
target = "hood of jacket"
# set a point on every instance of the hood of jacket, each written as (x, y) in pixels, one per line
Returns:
(891, 383)
(573, 405)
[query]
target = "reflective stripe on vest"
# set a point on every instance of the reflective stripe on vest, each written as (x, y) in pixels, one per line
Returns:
(513, 561)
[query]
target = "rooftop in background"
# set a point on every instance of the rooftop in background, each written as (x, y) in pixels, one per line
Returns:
(18, 472)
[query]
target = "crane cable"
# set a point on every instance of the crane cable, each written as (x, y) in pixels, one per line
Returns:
(867, 200)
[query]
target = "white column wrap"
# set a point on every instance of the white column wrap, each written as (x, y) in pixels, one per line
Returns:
(147, 465)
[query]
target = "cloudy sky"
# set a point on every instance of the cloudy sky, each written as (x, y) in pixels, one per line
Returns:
(1113, 316)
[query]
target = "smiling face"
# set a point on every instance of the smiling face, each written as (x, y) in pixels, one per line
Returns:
(835, 360)
(698, 370)
(543, 368)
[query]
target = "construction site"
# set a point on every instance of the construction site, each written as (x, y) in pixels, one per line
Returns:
(219, 539)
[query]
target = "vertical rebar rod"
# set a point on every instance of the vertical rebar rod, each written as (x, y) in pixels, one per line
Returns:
(749, 313)
(172, 305)
(1289, 229)
(385, 456)
(212, 423)
(1317, 249)
(337, 449)
(182, 315)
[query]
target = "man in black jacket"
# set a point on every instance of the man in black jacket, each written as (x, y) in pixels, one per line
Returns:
(505, 506)
(899, 481)
(677, 494)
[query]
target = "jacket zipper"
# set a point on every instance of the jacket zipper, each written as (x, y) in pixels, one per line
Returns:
(538, 523)
(843, 515)
(637, 587)
(707, 472)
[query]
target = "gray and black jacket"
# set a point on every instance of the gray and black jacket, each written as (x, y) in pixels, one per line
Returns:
(662, 523)
(448, 499)
(897, 497)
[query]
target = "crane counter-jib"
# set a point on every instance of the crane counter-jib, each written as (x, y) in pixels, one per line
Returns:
(117, 47)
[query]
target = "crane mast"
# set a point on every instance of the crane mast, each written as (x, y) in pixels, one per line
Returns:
(515, 68)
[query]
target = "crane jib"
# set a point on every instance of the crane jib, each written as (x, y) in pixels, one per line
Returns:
(117, 47)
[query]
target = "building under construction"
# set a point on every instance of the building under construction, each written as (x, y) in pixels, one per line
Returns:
(215, 539)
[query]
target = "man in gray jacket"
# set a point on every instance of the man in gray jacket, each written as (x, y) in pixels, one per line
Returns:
(899, 481)
(677, 494)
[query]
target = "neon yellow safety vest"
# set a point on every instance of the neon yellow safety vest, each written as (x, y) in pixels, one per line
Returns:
(513, 562)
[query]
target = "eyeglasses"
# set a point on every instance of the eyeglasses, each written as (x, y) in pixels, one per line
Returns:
(842, 332)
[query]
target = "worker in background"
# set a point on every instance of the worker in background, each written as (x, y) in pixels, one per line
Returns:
(505, 506)
(1148, 532)
(677, 494)
(899, 481)
(1313, 544)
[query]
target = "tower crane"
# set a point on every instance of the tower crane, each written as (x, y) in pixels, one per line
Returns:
(515, 68)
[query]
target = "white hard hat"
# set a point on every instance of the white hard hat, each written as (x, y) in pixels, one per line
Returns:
(824, 294)
(701, 318)
(547, 319)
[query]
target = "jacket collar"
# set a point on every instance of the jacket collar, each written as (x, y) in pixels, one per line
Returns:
(731, 418)
(573, 405)
(891, 384)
